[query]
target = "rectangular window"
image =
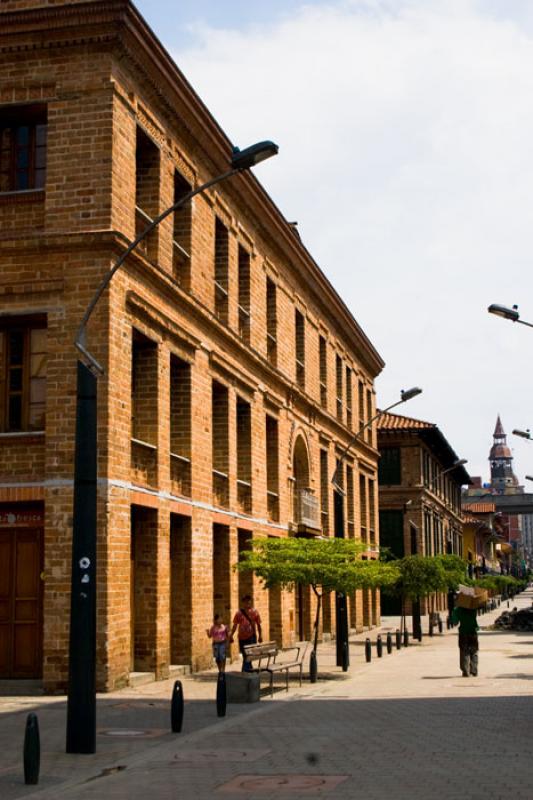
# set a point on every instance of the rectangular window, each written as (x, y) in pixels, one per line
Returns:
(350, 510)
(372, 510)
(147, 182)
(272, 322)
(391, 532)
(23, 358)
(244, 295)
(144, 416)
(180, 425)
(349, 418)
(339, 388)
(220, 444)
(144, 389)
(363, 507)
(181, 256)
(244, 455)
(427, 533)
(323, 364)
(299, 326)
(369, 415)
(272, 467)
(23, 133)
(361, 393)
(390, 466)
(324, 492)
(221, 270)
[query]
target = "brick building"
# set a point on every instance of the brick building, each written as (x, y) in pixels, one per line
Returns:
(419, 493)
(234, 374)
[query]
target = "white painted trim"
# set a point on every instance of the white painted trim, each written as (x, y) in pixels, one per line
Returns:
(127, 485)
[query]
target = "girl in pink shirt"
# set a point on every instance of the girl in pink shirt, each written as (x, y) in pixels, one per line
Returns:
(218, 632)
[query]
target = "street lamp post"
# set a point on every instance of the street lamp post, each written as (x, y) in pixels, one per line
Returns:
(339, 530)
(508, 313)
(523, 434)
(81, 706)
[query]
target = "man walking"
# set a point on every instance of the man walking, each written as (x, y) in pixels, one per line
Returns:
(248, 621)
(468, 639)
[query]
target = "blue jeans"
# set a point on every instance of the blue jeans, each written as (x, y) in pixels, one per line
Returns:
(246, 666)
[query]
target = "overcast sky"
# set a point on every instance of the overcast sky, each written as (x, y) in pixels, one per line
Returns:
(406, 131)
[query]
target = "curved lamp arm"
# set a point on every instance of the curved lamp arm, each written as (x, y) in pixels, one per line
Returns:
(404, 397)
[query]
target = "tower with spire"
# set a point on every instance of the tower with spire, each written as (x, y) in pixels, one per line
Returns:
(502, 478)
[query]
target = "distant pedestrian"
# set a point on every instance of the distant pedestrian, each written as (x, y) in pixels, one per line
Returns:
(218, 632)
(248, 621)
(468, 639)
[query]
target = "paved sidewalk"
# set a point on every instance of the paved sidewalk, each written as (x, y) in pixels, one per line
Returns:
(406, 725)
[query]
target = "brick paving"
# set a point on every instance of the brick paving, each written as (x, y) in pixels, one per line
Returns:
(407, 725)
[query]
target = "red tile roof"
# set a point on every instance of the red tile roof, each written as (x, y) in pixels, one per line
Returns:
(479, 508)
(395, 422)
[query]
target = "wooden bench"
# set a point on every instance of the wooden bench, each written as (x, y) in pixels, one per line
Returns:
(268, 657)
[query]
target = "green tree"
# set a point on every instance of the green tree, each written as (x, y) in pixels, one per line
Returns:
(418, 577)
(326, 565)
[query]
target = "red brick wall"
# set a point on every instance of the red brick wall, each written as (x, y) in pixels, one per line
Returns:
(99, 93)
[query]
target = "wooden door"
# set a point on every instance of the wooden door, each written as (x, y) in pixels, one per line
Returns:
(21, 558)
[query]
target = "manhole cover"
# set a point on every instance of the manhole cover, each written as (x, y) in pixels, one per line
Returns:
(132, 733)
(309, 784)
(221, 755)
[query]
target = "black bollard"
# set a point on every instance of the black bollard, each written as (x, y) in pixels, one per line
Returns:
(439, 623)
(379, 646)
(389, 643)
(398, 639)
(508, 604)
(176, 708)
(431, 624)
(345, 656)
(32, 751)
(368, 650)
(448, 623)
(221, 695)
(405, 638)
(313, 667)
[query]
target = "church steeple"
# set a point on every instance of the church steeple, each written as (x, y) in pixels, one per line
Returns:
(502, 476)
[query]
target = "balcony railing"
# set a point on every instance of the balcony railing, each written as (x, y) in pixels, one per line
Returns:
(307, 510)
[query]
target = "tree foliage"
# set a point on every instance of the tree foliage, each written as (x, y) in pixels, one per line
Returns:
(330, 564)
(455, 569)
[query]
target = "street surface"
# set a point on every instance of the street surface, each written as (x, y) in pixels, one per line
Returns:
(407, 726)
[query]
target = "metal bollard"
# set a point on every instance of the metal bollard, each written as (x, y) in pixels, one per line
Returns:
(439, 623)
(368, 650)
(345, 657)
(389, 643)
(379, 646)
(448, 623)
(32, 750)
(431, 625)
(406, 638)
(221, 695)
(398, 639)
(176, 708)
(313, 667)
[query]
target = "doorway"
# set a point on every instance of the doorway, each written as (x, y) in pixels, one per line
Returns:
(21, 564)
(180, 605)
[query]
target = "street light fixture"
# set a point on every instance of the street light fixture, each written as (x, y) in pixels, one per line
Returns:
(508, 313)
(523, 434)
(343, 658)
(81, 707)
(529, 477)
